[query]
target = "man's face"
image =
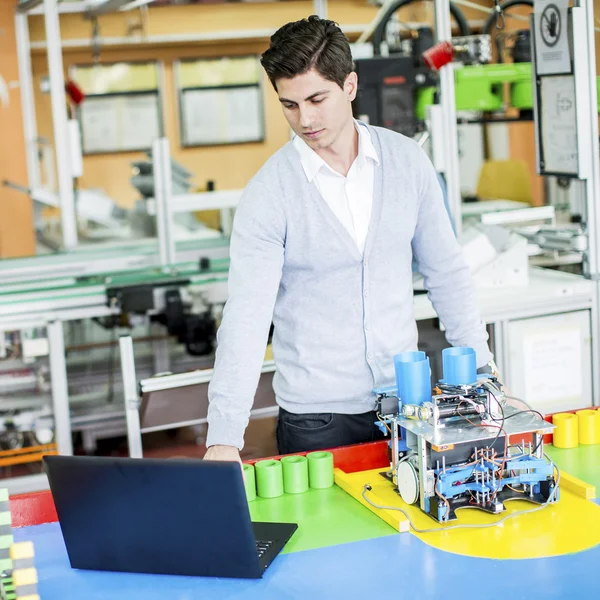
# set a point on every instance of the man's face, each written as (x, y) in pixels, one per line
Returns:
(317, 109)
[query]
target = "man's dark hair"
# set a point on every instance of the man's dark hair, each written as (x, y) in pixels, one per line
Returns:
(309, 43)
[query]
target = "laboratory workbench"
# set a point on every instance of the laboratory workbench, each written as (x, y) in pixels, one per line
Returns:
(341, 550)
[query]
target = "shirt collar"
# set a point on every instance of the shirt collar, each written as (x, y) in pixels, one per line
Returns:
(312, 163)
(365, 144)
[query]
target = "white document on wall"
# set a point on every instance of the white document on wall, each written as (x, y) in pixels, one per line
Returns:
(552, 52)
(139, 121)
(559, 125)
(119, 123)
(99, 125)
(222, 116)
(552, 364)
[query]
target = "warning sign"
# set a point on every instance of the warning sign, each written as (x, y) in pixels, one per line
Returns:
(552, 54)
(550, 25)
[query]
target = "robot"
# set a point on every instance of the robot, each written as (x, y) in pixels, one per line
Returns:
(462, 445)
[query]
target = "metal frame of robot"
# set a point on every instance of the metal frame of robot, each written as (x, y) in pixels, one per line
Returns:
(53, 317)
(446, 461)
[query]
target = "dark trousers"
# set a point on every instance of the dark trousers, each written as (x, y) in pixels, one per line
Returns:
(315, 431)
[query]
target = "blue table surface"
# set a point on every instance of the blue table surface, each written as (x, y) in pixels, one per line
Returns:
(400, 564)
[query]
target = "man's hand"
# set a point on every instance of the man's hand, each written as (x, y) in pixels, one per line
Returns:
(223, 453)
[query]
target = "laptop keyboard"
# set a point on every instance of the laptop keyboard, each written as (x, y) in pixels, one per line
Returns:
(262, 547)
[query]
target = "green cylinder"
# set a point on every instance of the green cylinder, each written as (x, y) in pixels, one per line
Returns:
(250, 482)
(295, 474)
(320, 469)
(269, 478)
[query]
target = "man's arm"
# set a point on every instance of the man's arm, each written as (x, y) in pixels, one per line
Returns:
(446, 274)
(256, 253)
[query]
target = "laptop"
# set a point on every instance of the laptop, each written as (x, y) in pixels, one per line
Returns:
(163, 516)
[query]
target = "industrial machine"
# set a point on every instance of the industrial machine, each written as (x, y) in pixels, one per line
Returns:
(171, 314)
(395, 89)
(387, 89)
(399, 88)
(167, 300)
(391, 87)
(464, 445)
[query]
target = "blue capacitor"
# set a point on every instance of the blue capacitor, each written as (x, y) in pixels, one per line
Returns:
(459, 365)
(413, 377)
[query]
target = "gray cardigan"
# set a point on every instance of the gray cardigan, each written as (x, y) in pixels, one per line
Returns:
(339, 317)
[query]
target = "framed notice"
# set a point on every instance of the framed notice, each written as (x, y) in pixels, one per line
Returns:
(558, 127)
(220, 101)
(552, 51)
(122, 110)
(556, 101)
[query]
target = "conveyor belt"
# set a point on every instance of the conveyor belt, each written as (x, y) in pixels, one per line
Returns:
(90, 290)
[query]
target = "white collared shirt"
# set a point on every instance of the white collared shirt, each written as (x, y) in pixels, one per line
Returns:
(350, 198)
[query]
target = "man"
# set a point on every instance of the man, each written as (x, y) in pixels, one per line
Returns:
(322, 246)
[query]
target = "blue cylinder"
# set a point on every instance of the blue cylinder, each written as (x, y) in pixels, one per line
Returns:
(459, 365)
(413, 377)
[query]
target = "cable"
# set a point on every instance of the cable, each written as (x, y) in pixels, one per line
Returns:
(519, 412)
(529, 410)
(514, 490)
(533, 451)
(505, 442)
(392, 7)
(368, 488)
(522, 402)
(386, 425)
(501, 429)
